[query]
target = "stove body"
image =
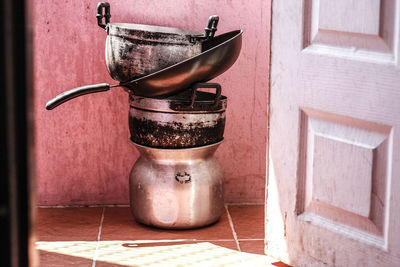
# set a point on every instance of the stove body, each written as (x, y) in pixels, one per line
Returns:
(177, 188)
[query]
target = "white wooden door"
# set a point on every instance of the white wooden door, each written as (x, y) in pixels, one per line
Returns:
(333, 187)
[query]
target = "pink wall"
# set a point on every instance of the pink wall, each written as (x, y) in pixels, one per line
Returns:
(83, 152)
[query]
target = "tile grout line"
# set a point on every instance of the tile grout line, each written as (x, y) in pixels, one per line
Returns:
(96, 252)
(83, 206)
(232, 228)
(250, 239)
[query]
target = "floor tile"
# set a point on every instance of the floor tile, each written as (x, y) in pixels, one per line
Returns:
(252, 246)
(68, 224)
(119, 224)
(66, 253)
(280, 264)
(117, 253)
(51, 259)
(248, 221)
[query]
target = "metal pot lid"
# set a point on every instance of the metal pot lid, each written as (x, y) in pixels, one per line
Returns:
(188, 101)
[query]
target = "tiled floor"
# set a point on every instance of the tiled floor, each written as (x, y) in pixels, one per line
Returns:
(109, 236)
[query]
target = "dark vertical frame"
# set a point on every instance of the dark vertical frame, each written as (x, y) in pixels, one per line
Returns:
(16, 136)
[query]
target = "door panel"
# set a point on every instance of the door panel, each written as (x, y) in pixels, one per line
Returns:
(334, 141)
(363, 30)
(343, 176)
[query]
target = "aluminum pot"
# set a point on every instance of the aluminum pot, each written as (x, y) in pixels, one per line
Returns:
(177, 188)
(135, 50)
(189, 119)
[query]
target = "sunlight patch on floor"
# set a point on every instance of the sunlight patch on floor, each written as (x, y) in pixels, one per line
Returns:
(166, 253)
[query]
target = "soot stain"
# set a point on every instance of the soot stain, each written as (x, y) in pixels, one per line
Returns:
(174, 134)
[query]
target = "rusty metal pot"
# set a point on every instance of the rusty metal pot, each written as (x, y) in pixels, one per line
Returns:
(189, 119)
(135, 50)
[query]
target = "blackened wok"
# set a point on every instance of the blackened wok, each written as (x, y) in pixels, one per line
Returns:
(219, 54)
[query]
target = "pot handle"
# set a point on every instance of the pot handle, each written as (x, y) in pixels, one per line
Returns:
(100, 16)
(196, 86)
(209, 30)
(83, 90)
(211, 26)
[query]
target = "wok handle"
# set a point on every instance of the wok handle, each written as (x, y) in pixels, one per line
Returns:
(211, 26)
(83, 90)
(100, 16)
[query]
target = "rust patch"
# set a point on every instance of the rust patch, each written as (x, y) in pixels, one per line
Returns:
(174, 134)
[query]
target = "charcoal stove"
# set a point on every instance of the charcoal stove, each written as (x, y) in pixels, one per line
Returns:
(176, 182)
(189, 119)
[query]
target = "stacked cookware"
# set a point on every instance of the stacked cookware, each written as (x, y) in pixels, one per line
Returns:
(176, 126)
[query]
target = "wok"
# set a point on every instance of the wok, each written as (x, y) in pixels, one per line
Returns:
(219, 54)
